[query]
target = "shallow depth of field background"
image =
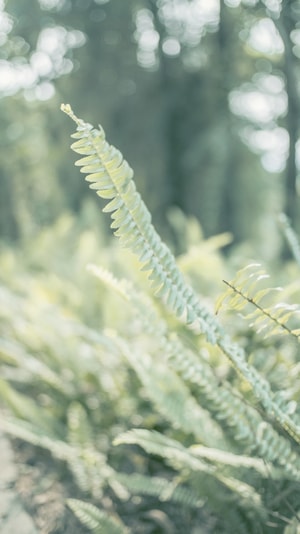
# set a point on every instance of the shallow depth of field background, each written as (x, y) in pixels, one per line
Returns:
(202, 98)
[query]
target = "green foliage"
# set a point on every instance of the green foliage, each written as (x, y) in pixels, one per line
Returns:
(161, 488)
(147, 371)
(184, 460)
(111, 176)
(96, 520)
(269, 319)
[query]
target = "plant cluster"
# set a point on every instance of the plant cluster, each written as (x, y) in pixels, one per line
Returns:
(207, 427)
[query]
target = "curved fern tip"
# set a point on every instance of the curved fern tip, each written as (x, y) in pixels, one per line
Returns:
(66, 108)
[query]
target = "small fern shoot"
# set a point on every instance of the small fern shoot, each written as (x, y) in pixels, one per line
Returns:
(112, 178)
(269, 319)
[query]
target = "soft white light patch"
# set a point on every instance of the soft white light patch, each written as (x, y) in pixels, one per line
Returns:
(232, 3)
(265, 38)
(257, 106)
(44, 91)
(51, 4)
(171, 47)
(6, 24)
(273, 5)
(272, 145)
(269, 83)
(187, 20)
(47, 61)
(41, 63)
(14, 76)
(147, 39)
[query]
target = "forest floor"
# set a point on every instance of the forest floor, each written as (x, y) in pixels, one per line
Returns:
(32, 501)
(13, 516)
(34, 489)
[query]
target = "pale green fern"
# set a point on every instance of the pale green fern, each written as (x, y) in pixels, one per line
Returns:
(183, 459)
(177, 377)
(237, 417)
(269, 319)
(111, 177)
(164, 490)
(98, 521)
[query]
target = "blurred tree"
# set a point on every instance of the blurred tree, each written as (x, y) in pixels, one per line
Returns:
(200, 96)
(288, 28)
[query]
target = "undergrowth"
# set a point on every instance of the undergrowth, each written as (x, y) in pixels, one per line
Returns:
(171, 396)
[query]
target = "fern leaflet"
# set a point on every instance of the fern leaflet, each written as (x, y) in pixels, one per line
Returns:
(181, 458)
(245, 289)
(98, 521)
(164, 490)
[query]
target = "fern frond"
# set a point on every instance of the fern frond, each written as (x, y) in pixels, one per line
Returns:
(89, 466)
(123, 287)
(161, 488)
(13, 353)
(98, 521)
(228, 458)
(170, 395)
(239, 419)
(79, 429)
(191, 367)
(112, 177)
(36, 436)
(91, 471)
(180, 458)
(245, 289)
(25, 408)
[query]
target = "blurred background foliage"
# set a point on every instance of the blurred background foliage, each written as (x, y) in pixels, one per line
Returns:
(201, 97)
